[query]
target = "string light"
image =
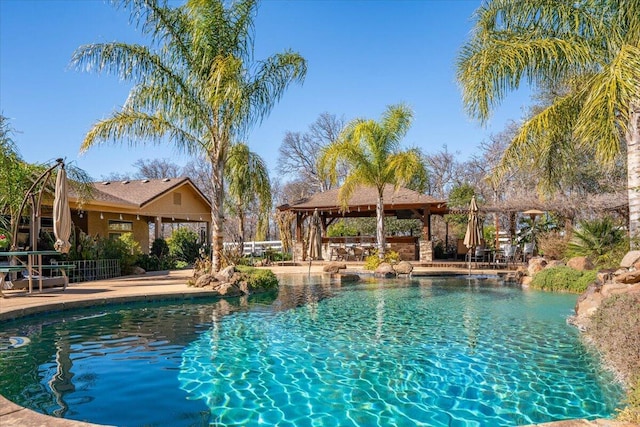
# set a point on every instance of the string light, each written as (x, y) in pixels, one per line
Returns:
(138, 217)
(120, 217)
(101, 216)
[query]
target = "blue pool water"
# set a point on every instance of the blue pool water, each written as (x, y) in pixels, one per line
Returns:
(431, 352)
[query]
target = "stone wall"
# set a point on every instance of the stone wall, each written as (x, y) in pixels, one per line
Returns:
(407, 251)
(426, 250)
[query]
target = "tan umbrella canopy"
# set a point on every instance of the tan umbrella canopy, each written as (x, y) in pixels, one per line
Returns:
(473, 236)
(61, 214)
(533, 213)
(315, 237)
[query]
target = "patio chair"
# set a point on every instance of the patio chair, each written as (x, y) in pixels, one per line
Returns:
(342, 254)
(358, 253)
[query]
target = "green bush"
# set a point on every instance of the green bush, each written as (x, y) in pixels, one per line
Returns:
(183, 245)
(602, 240)
(155, 263)
(159, 247)
(563, 279)
(258, 278)
(373, 261)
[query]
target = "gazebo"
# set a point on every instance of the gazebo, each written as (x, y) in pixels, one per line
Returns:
(402, 203)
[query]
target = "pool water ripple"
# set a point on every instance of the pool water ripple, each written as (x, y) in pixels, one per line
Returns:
(430, 352)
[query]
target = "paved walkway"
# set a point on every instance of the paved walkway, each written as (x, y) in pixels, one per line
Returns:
(149, 287)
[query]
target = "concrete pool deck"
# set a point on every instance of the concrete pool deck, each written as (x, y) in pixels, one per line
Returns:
(154, 287)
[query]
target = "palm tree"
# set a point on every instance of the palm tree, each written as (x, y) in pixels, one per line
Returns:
(196, 85)
(248, 182)
(371, 152)
(589, 47)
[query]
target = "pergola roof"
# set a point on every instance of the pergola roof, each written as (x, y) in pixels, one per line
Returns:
(402, 203)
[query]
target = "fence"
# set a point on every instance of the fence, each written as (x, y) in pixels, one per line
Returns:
(257, 249)
(86, 271)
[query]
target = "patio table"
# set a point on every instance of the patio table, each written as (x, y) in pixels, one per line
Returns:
(34, 259)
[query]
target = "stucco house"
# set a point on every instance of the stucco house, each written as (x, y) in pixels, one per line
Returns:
(117, 207)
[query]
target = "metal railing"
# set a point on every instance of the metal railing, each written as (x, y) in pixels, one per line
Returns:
(87, 271)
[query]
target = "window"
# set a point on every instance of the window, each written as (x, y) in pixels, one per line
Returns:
(122, 226)
(177, 198)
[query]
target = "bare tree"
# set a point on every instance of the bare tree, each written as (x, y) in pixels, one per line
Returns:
(444, 172)
(157, 169)
(299, 151)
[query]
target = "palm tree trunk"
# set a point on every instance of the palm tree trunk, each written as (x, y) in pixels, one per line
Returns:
(217, 218)
(240, 214)
(633, 172)
(382, 242)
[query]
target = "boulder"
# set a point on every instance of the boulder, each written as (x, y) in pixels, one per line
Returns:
(555, 263)
(334, 267)
(604, 276)
(536, 264)
(629, 277)
(589, 301)
(580, 263)
(403, 267)
(226, 273)
(227, 289)
(385, 270)
(525, 281)
(138, 271)
(630, 259)
(205, 280)
(619, 288)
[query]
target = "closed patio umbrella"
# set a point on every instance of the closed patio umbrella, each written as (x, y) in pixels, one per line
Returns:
(61, 214)
(315, 237)
(473, 235)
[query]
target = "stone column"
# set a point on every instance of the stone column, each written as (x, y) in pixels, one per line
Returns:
(426, 250)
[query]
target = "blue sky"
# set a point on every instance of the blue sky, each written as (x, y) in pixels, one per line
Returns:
(362, 56)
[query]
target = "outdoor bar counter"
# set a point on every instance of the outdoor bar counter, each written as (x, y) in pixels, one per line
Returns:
(406, 246)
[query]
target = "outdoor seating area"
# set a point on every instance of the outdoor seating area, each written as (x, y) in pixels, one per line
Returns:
(507, 256)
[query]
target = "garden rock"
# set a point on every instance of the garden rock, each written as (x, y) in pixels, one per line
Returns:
(630, 259)
(536, 265)
(580, 263)
(138, 271)
(334, 267)
(554, 263)
(587, 304)
(385, 270)
(403, 267)
(205, 280)
(227, 289)
(629, 277)
(226, 273)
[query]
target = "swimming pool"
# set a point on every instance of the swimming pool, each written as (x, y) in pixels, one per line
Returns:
(436, 352)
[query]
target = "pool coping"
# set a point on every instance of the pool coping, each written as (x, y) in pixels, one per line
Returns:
(159, 286)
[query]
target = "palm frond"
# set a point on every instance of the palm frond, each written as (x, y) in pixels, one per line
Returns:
(138, 128)
(605, 114)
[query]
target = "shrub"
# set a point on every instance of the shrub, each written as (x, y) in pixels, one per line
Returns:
(602, 240)
(258, 278)
(183, 244)
(553, 245)
(373, 261)
(159, 248)
(155, 263)
(563, 279)
(615, 330)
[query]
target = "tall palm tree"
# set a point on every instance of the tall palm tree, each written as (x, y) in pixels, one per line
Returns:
(247, 183)
(196, 85)
(591, 47)
(371, 151)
